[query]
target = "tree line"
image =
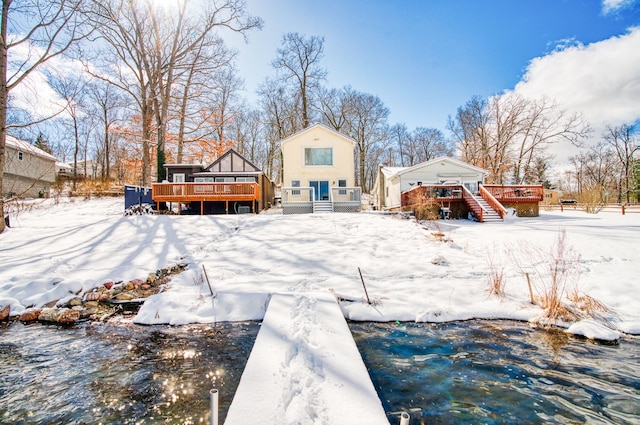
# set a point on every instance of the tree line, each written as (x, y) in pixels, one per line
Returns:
(143, 83)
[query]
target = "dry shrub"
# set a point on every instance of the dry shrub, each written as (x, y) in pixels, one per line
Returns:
(427, 210)
(495, 278)
(552, 273)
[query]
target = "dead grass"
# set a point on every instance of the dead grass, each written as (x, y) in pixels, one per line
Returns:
(496, 277)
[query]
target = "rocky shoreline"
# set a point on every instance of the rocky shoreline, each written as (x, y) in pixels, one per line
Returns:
(100, 303)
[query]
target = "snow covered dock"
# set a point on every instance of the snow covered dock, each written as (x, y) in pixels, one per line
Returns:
(305, 368)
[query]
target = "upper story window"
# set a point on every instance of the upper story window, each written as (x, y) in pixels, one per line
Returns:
(20, 156)
(318, 156)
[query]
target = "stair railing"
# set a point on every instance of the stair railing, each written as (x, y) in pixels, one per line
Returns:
(493, 202)
(473, 204)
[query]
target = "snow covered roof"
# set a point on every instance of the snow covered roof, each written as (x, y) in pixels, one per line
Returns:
(28, 147)
(315, 126)
(397, 171)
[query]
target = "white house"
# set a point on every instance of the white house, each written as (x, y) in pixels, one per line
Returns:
(391, 182)
(28, 171)
(319, 171)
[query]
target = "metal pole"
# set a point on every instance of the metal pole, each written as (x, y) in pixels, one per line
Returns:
(213, 399)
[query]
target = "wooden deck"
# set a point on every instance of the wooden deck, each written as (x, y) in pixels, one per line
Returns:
(185, 193)
(515, 194)
(494, 197)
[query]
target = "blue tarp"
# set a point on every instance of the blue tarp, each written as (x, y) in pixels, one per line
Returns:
(136, 195)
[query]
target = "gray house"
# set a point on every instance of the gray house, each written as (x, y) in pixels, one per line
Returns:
(28, 171)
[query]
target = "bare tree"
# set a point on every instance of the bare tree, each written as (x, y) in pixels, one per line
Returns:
(47, 29)
(595, 172)
(429, 143)
(157, 47)
(298, 59)
(367, 125)
(624, 143)
(399, 135)
(507, 134)
(280, 118)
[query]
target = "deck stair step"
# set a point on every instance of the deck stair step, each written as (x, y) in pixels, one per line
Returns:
(322, 207)
(489, 214)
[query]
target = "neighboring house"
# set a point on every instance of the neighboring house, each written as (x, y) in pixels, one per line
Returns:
(88, 169)
(450, 188)
(551, 197)
(231, 184)
(319, 172)
(391, 182)
(28, 171)
(63, 170)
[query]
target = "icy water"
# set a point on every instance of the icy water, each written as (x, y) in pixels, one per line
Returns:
(106, 374)
(481, 372)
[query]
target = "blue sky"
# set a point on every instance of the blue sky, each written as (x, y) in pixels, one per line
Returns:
(425, 58)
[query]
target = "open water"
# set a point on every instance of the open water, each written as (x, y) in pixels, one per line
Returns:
(105, 374)
(499, 372)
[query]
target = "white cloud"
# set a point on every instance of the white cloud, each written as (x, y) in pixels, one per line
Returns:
(613, 5)
(600, 80)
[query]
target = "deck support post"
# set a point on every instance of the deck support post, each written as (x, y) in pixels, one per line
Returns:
(226, 208)
(202, 207)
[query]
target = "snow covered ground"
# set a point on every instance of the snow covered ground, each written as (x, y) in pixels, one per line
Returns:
(413, 271)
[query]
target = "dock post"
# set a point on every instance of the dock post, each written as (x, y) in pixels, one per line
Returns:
(404, 418)
(213, 399)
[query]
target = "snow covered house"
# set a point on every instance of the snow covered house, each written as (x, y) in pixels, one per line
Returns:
(28, 171)
(231, 184)
(319, 172)
(391, 182)
(451, 188)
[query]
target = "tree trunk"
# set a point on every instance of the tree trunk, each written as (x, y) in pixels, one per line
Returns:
(3, 101)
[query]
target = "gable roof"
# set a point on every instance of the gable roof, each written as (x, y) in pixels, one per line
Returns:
(231, 161)
(316, 126)
(28, 147)
(398, 171)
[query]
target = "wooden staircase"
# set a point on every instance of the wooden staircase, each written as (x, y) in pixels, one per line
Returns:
(481, 209)
(488, 213)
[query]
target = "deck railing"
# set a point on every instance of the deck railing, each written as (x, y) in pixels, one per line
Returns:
(346, 199)
(176, 192)
(473, 204)
(297, 200)
(516, 193)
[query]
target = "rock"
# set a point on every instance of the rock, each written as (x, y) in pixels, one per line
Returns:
(130, 286)
(108, 285)
(4, 313)
(30, 315)
(67, 316)
(51, 304)
(48, 315)
(103, 297)
(92, 296)
(145, 287)
(74, 302)
(91, 304)
(151, 278)
(137, 282)
(125, 296)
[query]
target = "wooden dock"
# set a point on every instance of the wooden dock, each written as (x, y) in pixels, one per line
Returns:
(305, 368)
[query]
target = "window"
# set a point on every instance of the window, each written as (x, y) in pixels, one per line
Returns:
(342, 183)
(295, 183)
(318, 156)
(225, 179)
(246, 179)
(203, 179)
(20, 155)
(178, 178)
